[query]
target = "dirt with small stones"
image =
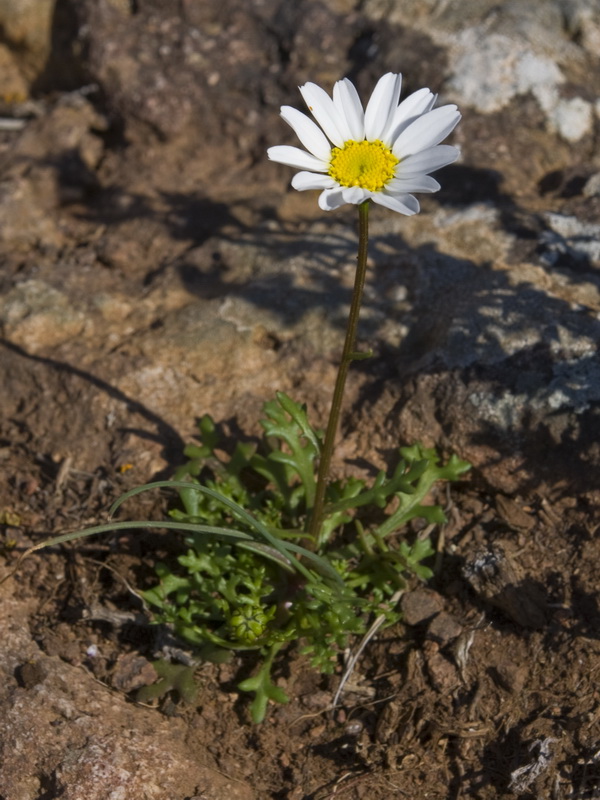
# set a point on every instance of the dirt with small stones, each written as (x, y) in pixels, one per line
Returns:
(487, 689)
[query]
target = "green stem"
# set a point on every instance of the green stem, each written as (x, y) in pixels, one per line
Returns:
(348, 354)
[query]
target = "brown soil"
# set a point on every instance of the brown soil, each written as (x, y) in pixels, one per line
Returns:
(449, 706)
(490, 687)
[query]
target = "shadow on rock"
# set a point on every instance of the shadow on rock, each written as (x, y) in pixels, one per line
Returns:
(83, 431)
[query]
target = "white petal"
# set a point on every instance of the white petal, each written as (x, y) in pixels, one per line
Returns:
(322, 108)
(426, 131)
(428, 160)
(413, 183)
(331, 199)
(347, 102)
(294, 157)
(354, 194)
(311, 136)
(382, 105)
(408, 111)
(308, 180)
(402, 203)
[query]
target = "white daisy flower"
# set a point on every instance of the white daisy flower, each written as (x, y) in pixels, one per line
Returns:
(383, 153)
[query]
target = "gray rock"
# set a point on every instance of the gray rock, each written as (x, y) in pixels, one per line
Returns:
(35, 315)
(497, 54)
(570, 240)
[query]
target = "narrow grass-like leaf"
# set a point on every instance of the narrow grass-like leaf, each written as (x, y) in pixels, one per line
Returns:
(282, 547)
(322, 566)
(224, 533)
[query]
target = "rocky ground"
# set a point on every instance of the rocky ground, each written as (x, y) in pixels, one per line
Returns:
(155, 267)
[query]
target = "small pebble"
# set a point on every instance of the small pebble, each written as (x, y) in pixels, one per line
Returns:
(510, 676)
(420, 605)
(443, 628)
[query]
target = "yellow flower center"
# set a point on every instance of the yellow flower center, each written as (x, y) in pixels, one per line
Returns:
(369, 165)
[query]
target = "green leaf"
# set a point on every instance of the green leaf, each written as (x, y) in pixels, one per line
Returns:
(172, 677)
(263, 687)
(287, 421)
(423, 471)
(285, 548)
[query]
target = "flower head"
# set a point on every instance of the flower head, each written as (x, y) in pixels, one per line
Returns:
(382, 153)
